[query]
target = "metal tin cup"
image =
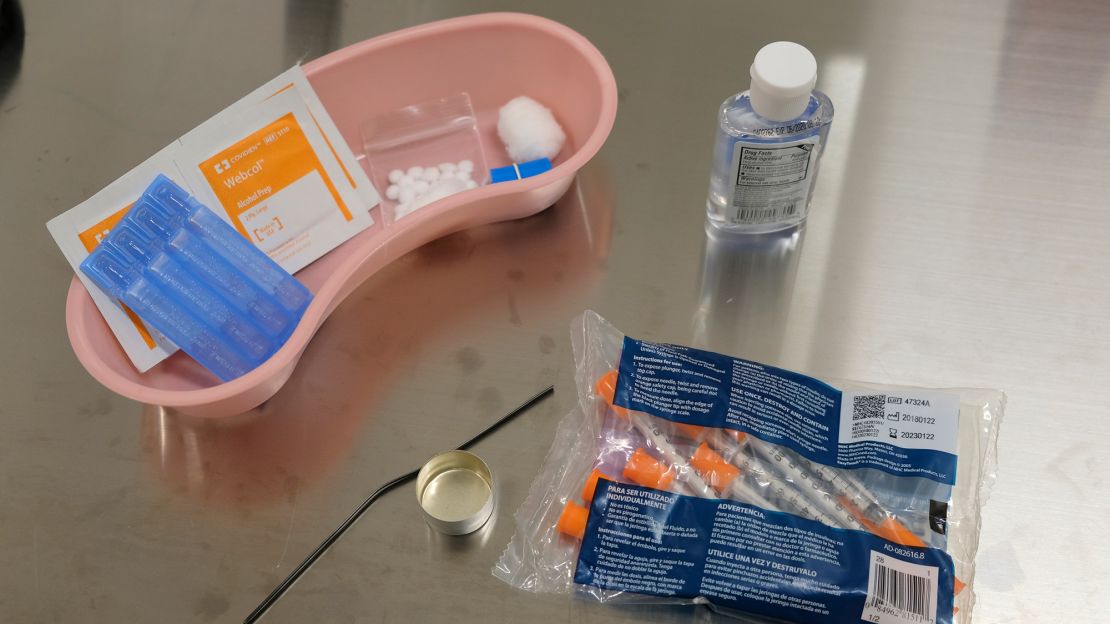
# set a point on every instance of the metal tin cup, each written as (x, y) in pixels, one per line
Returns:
(455, 492)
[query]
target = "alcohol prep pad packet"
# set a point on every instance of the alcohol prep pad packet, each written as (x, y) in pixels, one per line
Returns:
(689, 477)
(316, 163)
(265, 168)
(79, 231)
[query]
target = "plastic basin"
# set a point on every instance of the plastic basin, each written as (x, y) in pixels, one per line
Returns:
(493, 57)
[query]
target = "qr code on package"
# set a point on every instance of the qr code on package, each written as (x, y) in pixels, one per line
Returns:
(868, 406)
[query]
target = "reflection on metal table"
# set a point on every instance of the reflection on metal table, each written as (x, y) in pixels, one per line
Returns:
(957, 238)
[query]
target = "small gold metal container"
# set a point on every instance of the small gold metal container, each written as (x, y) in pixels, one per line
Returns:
(455, 492)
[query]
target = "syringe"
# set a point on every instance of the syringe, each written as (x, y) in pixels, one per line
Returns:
(606, 388)
(832, 497)
(795, 501)
(820, 493)
(851, 498)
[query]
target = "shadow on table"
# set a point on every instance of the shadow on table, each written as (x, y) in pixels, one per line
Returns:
(12, 34)
(266, 454)
(443, 547)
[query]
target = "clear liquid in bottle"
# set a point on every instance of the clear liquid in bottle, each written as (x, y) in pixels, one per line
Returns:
(769, 144)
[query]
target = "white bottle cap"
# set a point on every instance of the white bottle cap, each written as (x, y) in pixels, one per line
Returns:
(783, 76)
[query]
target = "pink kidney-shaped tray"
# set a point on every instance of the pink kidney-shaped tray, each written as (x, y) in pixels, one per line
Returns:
(493, 57)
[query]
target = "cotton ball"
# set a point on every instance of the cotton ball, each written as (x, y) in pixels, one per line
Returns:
(415, 172)
(471, 184)
(396, 175)
(393, 192)
(462, 175)
(529, 130)
(420, 187)
(447, 167)
(407, 195)
(466, 165)
(431, 174)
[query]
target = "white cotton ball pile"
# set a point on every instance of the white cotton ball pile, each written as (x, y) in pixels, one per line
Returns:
(529, 130)
(419, 186)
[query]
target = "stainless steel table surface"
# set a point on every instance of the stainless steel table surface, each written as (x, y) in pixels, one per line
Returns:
(958, 238)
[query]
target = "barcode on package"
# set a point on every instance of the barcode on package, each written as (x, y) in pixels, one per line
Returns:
(904, 432)
(900, 592)
(868, 406)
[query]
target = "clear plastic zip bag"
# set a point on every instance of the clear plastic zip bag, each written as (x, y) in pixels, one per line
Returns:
(687, 477)
(424, 152)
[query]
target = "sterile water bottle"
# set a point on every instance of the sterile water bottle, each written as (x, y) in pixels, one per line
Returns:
(769, 142)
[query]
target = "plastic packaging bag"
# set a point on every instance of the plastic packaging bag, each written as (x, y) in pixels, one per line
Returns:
(424, 152)
(688, 477)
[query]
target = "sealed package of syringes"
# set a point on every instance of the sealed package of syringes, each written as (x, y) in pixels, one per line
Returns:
(686, 476)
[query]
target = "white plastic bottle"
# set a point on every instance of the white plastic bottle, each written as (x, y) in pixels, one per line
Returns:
(769, 142)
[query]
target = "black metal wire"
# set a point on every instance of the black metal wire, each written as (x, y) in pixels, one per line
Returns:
(282, 587)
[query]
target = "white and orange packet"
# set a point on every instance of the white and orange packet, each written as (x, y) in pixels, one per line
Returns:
(293, 79)
(266, 170)
(79, 230)
(325, 195)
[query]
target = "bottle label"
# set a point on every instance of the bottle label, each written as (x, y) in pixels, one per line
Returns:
(771, 180)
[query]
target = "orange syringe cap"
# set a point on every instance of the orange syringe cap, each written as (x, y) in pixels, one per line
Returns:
(572, 522)
(591, 484)
(647, 471)
(897, 532)
(717, 472)
(606, 388)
